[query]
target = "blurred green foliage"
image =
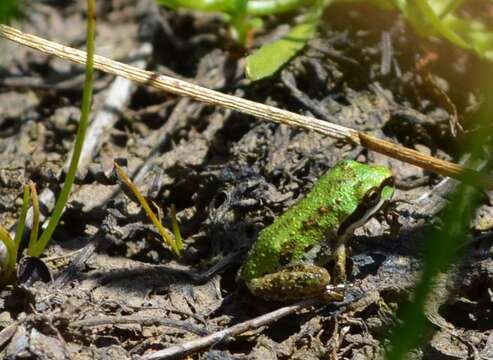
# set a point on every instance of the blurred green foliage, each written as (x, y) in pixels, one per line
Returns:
(441, 250)
(445, 244)
(427, 17)
(9, 10)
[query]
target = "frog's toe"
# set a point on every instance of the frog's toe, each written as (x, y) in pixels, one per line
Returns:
(334, 292)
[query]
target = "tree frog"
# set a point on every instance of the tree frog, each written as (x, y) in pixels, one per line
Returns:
(286, 262)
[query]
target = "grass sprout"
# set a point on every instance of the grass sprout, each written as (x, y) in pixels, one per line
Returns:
(45, 237)
(10, 253)
(176, 243)
(36, 246)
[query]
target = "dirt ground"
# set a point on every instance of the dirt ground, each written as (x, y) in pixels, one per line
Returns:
(118, 293)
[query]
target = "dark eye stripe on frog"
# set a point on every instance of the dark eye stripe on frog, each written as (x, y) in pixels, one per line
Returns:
(370, 205)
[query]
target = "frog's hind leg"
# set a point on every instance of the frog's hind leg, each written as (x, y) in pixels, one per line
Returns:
(294, 282)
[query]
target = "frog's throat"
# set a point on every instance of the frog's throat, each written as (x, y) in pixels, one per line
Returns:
(363, 215)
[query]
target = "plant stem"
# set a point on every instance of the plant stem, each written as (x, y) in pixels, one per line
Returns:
(12, 245)
(79, 140)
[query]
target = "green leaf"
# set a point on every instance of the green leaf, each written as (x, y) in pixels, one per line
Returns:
(271, 57)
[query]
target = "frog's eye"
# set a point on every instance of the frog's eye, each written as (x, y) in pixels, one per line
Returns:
(373, 196)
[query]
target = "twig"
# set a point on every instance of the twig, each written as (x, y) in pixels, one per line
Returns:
(201, 343)
(7, 333)
(262, 111)
(62, 256)
(141, 320)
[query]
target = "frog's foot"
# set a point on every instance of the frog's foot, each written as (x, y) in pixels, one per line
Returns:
(294, 282)
(334, 293)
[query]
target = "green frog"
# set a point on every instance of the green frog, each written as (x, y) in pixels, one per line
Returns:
(288, 258)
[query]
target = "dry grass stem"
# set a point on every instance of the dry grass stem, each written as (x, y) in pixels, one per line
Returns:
(262, 111)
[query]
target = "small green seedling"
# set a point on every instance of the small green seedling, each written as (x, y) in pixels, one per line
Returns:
(176, 243)
(9, 253)
(8, 259)
(428, 18)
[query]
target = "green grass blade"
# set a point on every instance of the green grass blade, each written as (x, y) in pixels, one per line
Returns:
(439, 27)
(40, 245)
(9, 266)
(450, 7)
(437, 18)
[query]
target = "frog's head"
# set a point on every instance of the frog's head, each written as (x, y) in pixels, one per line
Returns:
(373, 187)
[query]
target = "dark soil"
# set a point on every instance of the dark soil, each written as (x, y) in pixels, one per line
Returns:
(117, 290)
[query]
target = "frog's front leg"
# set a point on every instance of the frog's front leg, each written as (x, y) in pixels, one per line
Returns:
(294, 282)
(339, 271)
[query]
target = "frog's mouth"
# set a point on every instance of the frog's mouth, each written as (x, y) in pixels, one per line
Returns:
(372, 202)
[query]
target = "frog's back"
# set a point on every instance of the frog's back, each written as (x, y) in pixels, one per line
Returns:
(313, 219)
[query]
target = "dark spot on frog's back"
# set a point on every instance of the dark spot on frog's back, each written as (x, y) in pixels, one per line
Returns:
(323, 210)
(310, 223)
